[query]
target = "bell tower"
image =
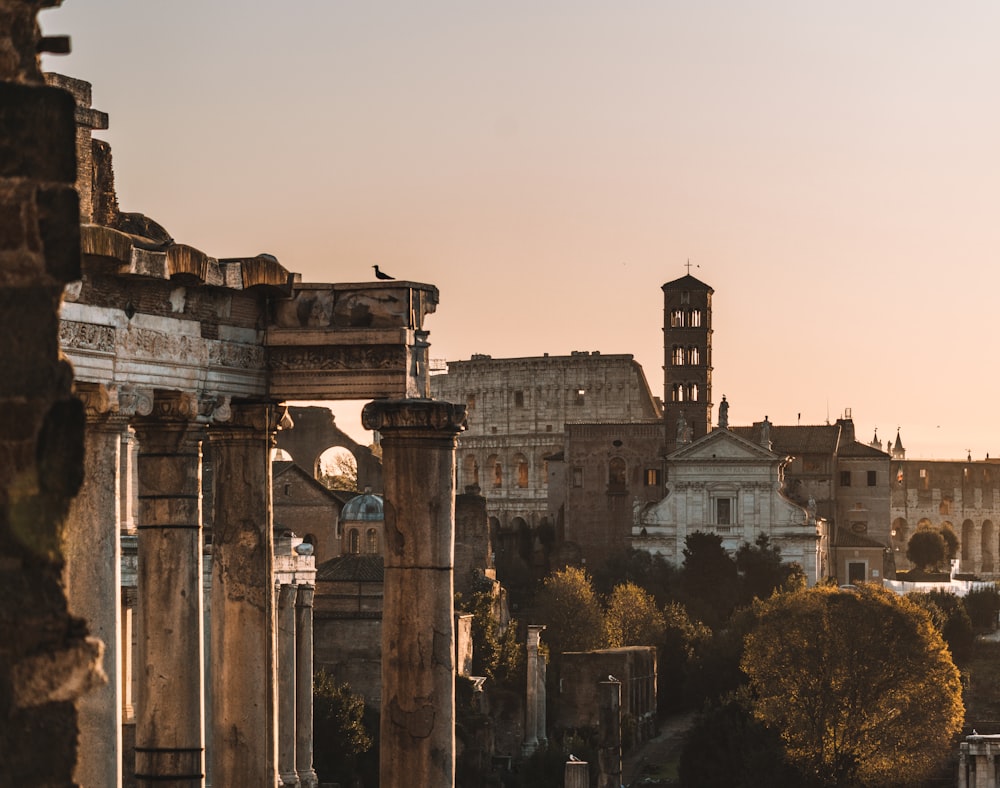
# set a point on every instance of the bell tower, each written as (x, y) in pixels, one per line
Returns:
(687, 360)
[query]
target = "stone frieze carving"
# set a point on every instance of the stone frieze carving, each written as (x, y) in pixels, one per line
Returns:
(232, 354)
(344, 357)
(147, 343)
(133, 401)
(74, 335)
(413, 413)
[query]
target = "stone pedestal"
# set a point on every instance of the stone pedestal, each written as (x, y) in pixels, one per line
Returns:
(93, 577)
(244, 718)
(286, 685)
(609, 734)
(304, 687)
(418, 671)
(169, 722)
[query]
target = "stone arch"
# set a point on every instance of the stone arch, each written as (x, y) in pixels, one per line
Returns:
(968, 551)
(988, 543)
(678, 356)
(314, 433)
(495, 469)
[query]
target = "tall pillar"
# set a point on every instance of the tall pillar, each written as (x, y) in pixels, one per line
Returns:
(93, 578)
(418, 665)
(170, 736)
(609, 734)
(286, 685)
(243, 709)
(534, 708)
(304, 687)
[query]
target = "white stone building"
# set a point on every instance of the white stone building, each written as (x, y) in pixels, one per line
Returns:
(727, 485)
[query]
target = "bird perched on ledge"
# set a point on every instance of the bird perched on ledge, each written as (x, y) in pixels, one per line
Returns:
(381, 274)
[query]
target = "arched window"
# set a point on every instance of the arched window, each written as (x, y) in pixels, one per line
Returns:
(693, 392)
(372, 541)
(693, 356)
(678, 356)
(694, 318)
(677, 318)
(521, 463)
(678, 392)
(355, 541)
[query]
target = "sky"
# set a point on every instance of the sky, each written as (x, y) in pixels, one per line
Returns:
(830, 169)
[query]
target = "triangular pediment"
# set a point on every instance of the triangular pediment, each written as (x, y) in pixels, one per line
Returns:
(722, 444)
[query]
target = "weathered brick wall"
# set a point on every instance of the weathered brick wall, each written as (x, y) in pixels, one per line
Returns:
(46, 662)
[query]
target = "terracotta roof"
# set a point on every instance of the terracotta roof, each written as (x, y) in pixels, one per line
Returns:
(857, 449)
(847, 538)
(689, 282)
(797, 440)
(352, 568)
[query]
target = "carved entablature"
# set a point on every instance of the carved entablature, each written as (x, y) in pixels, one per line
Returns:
(74, 335)
(422, 414)
(354, 341)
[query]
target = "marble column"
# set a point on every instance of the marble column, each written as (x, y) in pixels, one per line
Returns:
(93, 578)
(418, 643)
(304, 687)
(609, 734)
(244, 734)
(170, 734)
(286, 685)
(534, 708)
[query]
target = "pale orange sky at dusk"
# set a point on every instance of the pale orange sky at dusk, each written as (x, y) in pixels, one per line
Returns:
(833, 168)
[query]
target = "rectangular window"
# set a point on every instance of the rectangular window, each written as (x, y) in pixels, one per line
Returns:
(470, 401)
(723, 511)
(857, 572)
(578, 477)
(872, 478)
(518, 399)
(652, 477)
(845, 478)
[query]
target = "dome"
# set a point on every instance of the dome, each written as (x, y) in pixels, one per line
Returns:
(364, 507)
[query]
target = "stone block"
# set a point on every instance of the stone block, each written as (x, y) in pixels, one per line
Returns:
(37, 133)
(59, 229)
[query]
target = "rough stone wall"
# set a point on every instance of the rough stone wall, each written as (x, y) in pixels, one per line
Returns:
(472, 542)
(582, 671)
(46, 660)
(598, 512)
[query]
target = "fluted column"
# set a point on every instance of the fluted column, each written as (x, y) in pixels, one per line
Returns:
(169, 725)
(286, 685)
(304, 686)
(93, 577)
(244, 715)
(418, 664)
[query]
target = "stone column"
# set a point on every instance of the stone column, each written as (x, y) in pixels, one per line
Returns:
(304, 687)
(609, 734)
(418, 644)
(243, 709)
(170, 736)
(534, 709)
(286, 685)
(93, 578)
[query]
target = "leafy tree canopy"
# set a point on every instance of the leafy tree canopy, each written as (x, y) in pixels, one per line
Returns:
(709, 579)
(339, 731)
(632, 618)
(570, 611)
(859, 685)
(927, 549)
(762, 571)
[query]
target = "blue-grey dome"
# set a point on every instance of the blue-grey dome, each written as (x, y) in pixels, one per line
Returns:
(364, 507)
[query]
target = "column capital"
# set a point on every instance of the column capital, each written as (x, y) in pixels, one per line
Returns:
(399, 415)
(247, 419)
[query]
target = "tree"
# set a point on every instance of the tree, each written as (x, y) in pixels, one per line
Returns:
(952, 620)
(762, 572)
(926, 549)
(570, 611)
(497, 654)
(682, 637)
(983, 604)
(632, 618)
(859, 685)
(950, 541)
(339, 730)
(709, 581)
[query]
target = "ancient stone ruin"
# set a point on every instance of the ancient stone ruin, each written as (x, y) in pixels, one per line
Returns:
(130, 358)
